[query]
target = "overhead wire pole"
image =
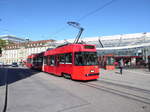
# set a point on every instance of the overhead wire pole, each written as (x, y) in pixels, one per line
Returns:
(101, 43)
(76, 25)
(79, 34)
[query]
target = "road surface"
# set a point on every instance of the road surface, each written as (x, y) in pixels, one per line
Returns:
(35, 91)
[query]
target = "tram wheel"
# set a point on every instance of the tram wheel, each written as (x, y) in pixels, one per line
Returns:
(67, 76)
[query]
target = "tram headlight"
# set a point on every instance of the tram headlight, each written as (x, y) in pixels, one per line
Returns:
(92, 71)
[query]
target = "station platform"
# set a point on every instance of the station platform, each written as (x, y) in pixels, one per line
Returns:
(138, 78)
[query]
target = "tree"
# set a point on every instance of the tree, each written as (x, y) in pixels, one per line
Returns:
(2, 44)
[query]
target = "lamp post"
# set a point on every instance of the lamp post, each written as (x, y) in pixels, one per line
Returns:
(145, 50)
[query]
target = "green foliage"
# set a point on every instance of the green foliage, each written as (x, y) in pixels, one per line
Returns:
(0, 51)
(2, 44)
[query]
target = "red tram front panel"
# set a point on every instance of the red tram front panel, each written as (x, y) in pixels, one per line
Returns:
(29, 63)
(35, 61)
(85, 72)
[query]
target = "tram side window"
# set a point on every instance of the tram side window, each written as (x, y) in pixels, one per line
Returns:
(34, 60)
(29, 60)
(68, 57)
(62, 58)
(52, 60)
(86, 58)
(39, 61)
(45, 60)
(79, 59)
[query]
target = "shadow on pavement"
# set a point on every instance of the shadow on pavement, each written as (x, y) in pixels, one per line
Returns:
(11, 75)
(117, 72)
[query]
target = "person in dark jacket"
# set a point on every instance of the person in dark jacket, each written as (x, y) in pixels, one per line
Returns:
(149, 65)
(121, 66)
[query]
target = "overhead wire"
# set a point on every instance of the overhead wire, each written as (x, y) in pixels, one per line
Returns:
(96, 10)
(87, 15)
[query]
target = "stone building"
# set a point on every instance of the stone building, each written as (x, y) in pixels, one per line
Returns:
(19, 51)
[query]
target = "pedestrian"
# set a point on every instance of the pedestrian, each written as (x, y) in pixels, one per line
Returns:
(149, 65)
(121, 66)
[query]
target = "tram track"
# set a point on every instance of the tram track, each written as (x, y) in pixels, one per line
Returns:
(124, 86)
(118, 91)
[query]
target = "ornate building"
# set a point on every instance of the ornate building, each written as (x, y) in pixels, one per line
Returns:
(19, 51)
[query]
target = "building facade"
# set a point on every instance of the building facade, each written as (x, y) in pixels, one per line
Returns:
(12, 39)
(137, 44)
(18, 52)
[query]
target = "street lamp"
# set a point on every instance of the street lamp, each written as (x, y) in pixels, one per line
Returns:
(76, 25)
(145, 50)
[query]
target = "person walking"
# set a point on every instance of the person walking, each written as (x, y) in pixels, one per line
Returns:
(149, 65)
(121, 66)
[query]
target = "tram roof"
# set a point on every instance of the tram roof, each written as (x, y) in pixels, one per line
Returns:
(71, 48)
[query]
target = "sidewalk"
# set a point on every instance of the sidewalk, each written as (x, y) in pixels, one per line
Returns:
(139, 78)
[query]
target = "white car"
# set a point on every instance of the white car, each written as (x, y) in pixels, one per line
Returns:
(14, 64)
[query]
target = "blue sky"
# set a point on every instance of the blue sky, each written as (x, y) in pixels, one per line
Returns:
(47, 19)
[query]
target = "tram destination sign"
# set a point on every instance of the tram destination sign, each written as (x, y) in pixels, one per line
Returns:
(89, 47)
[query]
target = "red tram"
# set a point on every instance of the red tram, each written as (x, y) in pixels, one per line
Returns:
(75, 61)
(29, 62)
(35, 61)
